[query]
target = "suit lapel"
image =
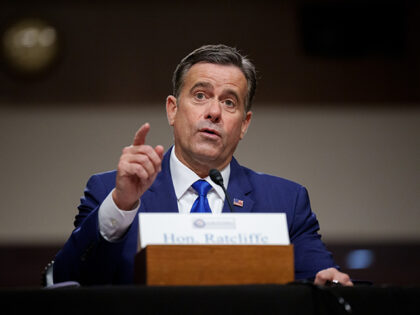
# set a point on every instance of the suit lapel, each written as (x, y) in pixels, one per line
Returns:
(239, 188)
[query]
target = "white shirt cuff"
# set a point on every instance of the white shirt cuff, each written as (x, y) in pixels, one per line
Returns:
(114, 222)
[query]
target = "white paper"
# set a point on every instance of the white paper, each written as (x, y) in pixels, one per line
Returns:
(211, 229)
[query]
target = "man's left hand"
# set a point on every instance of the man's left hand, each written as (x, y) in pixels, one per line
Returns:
(333, 275)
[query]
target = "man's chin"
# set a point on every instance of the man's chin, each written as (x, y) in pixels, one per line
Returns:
(208, 154)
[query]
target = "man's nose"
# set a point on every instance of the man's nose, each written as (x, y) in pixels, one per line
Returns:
(214, 110)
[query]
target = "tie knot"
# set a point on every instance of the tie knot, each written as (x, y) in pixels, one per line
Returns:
(202, 187)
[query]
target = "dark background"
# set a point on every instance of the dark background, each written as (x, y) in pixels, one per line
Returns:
(306, 51)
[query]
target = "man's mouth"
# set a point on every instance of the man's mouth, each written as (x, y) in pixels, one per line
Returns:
(210, 131)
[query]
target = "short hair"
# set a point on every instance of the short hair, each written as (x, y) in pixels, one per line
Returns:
(221, 55)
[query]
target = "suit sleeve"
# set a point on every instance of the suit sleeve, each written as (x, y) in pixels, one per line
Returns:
(87, 257)
(311, 254)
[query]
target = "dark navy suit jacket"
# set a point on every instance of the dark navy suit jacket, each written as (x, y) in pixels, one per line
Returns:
(89, 259)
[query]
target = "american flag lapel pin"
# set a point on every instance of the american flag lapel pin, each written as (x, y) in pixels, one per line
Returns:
(238, 202)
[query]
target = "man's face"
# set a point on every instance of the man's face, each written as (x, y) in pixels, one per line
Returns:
(209, 119)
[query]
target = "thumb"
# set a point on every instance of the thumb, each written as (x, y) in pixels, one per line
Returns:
(159, 150)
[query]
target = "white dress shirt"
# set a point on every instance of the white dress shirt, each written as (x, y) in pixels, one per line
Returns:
(114, 222)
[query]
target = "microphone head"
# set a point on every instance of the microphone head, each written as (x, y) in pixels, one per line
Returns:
(216, 176)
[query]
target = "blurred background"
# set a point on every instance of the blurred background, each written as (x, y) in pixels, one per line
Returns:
(336, 109)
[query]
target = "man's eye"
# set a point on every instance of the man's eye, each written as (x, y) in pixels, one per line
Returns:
(200, 96)
(230, 103)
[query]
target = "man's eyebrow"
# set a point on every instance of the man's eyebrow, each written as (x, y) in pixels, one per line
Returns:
(232, 93)
(205, 85)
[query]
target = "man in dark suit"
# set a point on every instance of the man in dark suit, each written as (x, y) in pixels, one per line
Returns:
(210, 112)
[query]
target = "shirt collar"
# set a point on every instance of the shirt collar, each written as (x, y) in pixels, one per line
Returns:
(183, 177)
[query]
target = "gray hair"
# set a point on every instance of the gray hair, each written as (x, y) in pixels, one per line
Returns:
(221, 55)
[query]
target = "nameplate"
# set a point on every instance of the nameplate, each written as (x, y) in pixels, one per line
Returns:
(212, 229)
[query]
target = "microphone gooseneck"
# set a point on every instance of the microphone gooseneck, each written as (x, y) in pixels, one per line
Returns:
(218, 179)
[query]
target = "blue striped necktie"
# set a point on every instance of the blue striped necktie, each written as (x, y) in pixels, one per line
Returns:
(201, 204)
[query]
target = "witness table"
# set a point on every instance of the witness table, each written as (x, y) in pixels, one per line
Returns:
(249, 299)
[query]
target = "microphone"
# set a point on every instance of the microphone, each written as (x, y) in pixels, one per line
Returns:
(218, 179)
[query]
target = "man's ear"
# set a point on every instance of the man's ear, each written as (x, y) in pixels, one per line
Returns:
(245, 124)
(171, 109)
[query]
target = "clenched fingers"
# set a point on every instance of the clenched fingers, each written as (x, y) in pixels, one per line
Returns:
(145, 160)
(332, 274)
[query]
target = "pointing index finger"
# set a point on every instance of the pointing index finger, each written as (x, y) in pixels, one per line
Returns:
(140, 137)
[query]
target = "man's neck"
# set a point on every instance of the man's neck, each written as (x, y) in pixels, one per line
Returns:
(183, 177)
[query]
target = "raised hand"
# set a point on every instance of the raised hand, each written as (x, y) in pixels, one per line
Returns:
(137, 169)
